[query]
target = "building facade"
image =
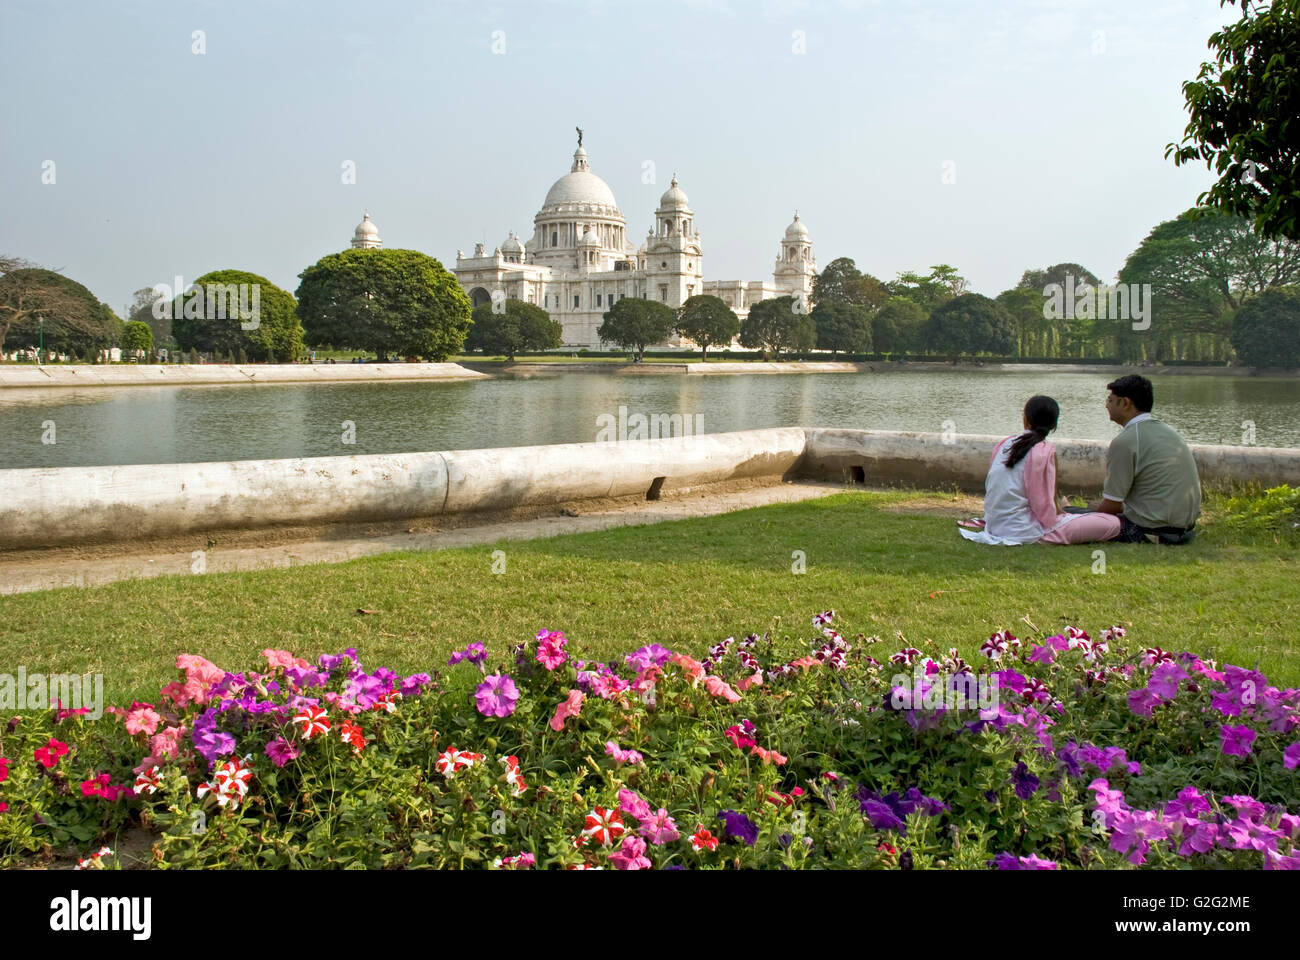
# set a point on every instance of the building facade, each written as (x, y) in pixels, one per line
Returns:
(580, 260)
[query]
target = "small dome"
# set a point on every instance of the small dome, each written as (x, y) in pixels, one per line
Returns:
(674, 198)
(796, 230)
(589, 239)
(366, 229)
(512, 244)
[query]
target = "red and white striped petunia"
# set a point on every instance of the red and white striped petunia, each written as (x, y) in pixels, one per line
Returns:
(232, 777)
(388, 702)
(452, 761)
(149, 781)
(604, 826)
(352, 734)
(312, 720)
(518, 785)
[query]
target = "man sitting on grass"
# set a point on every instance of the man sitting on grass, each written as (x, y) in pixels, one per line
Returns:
(1151, 479)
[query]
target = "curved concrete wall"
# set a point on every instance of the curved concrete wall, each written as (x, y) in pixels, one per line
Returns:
(72, 505)
(923, 459)
(51, 507)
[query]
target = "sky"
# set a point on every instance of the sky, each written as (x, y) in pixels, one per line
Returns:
(145, 139)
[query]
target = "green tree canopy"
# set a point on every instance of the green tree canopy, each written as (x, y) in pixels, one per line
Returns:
(775, 325)
(634, 324)
(1201, 267)
(519, 328)
(842, 282)
(970, 324)
(1058, 273)
(389, 301)
(136, 336)
(942, 284)
(707, 321)
(1244, 108)
(142, 311)
(1266, 330)
(74, 319)
(842, 326)
(898, 327)
(275, 332)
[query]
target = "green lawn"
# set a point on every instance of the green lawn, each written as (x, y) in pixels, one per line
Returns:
(686, 585)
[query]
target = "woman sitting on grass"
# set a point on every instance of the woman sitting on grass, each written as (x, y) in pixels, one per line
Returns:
(1020, 495)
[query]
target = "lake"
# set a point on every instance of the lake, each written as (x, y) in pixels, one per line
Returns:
(181, 424)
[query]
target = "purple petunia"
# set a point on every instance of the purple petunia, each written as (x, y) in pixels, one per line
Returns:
(1291, 756)
(496, 696)
(281, 751)
(646, 657)
(1237, 740)
(1026, 783)
(740, 826)
(475, 653)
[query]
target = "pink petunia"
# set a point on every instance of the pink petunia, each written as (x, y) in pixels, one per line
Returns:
(631, 803)
(693, 668)
(622, 756)
(1237, 740)
(142, 718)
(631, 856)
(659, 828)
(569, 708)
(719, 688)
(280, 659)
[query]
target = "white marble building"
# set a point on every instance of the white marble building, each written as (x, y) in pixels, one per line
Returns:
(579, 260)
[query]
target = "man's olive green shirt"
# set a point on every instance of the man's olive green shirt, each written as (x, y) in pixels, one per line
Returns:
(1150, 469)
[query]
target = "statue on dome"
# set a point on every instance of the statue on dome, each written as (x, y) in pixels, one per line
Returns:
(579, 129)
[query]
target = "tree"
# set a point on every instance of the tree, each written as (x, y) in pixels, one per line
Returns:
(940, 286)
(969, 324)
(1200, 268)
(210, 318)
(142, 311)
(1025, 307)
(774, 325)
(398, 301)
(634, 324)
(842, 326)
(1243, 110)
(136, 337)
(520, 327)
(842, 282)
(74, 319)
(707, 321)
(898, 327)
(1266, 330)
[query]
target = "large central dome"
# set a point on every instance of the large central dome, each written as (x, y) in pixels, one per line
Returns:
(580, 185)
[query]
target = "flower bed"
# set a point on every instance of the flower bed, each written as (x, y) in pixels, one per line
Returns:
(1061, 752)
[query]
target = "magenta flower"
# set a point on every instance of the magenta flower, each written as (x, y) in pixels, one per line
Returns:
(550, 648)
(1247, 807)
(631, 856)
(475, 653)
(1237, 740)
(281, 751)
(659, 828)
(1109, 802)
(496, 696)
(632, 804)
(1198, 836)
(1135, 830)
(1189, 804)
(1246, 834)
(1276, 861)
(1040, 655)
(1164, 680)
(1291, 756)
(1141, 702)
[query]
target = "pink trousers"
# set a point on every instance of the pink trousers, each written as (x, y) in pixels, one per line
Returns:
(1085, 528)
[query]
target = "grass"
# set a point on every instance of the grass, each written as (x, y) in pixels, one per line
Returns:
(684, 584)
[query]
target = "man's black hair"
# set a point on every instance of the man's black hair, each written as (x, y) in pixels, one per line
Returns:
(1136, 388)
